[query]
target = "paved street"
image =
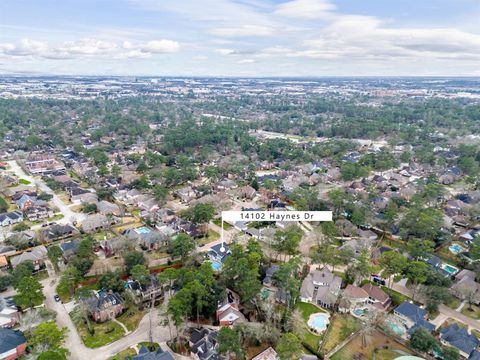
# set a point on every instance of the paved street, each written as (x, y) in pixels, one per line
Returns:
(69, 216)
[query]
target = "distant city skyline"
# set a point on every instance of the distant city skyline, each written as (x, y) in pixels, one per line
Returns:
(249, 38)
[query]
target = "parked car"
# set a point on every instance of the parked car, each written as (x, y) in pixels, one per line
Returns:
(56, 297)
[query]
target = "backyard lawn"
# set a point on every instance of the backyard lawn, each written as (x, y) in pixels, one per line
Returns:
(306, 310)
(364, 348)
(212, 236)
(131, 318)
(24, 182)
(105, 333)
(340, 328)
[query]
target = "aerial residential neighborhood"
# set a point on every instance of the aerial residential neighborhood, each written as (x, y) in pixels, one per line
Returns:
(239, 180)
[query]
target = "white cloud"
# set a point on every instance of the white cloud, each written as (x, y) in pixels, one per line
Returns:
(88, 47)
(246, 61)
(243, 31)
(161, 46)
(309, 9)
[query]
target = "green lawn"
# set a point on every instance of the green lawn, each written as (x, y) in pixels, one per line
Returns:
(24, 182)
(453, 303)
(308, 309)
(397, 298)
(105, 333)
(218, 222)
(471, 311)
(212, 236)
(124, 354)
(131, 318)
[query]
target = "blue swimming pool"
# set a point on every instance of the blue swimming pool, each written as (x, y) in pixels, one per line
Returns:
(451, 270)
(318, 321)
(396, 328)
(456, 249)
(143, 230)
(360, 312)
(217, 266)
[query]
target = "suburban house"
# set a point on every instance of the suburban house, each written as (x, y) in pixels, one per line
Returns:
(57, 232)
(105, 305)
(36, 255)
(152, 290)
(146, 237)
(227, 311)
(268, 354)
(459, 338)
(218, 253)
(95, 222)
(69, 248)
(35, 213)
(466, 288)
(10, 218)
(186, 194)
(268, 279)
(26, 201)
(112, 246)
(12, 344)
(353, 297)
(377, 297)
(9, 315)
(42, 164)
(108, 208)
(203, 343)
(413, 317)
(145, 354)
(321, 287)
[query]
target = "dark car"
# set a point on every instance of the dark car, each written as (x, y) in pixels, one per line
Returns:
(56, 297)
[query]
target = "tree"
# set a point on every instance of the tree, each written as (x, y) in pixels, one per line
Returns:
(435, 295)
(179, 308)
(181, 246)
(422, 223)
(29, 292)
(450, 353)
(5, 282)
(201, 214)
(69, 280)
(20, 227)
(52, 355)
(140, 273)
(392, 263)
(3, 205)
(422, 340)
(289, 347)
(417, 273)
(169, 275)
(133, 258)
(229, 342)
(360, 269)
(48, 337)
(287, 241)
(54, 253)
(286, 279)
(24, 269)
(420, 249)
(160, 193)
(111, 280)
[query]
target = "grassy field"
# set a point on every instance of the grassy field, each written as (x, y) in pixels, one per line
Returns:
(474, 312)
(105, 333)
(131, 318)
(340, 328)
(24, 182)
(212, 236)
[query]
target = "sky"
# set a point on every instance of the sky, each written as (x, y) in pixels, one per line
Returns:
(254, 38)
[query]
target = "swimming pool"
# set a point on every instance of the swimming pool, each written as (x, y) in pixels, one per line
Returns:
(396, 328)
(456, 249)
(359, 312)
(217, 266)
(143, 230)
(451, 270)
(319, 321)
